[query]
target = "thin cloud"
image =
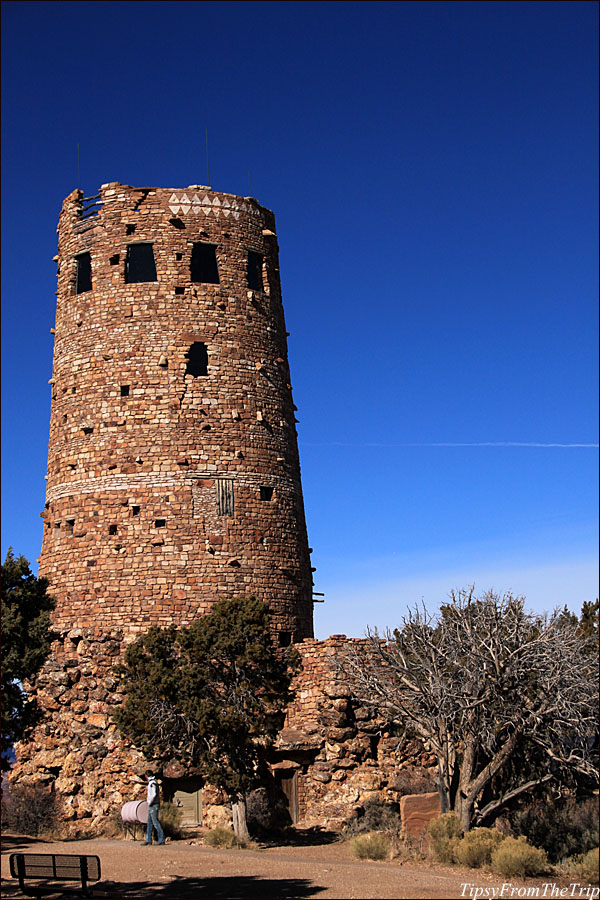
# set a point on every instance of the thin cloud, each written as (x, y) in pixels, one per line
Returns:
(454, 444)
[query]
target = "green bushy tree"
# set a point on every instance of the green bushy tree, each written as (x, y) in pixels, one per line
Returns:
(211, 695)
(26, 608)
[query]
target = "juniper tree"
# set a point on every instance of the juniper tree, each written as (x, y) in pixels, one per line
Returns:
(211, 696)
(26, 608)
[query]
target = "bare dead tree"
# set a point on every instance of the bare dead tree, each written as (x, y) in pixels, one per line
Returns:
(480, 683)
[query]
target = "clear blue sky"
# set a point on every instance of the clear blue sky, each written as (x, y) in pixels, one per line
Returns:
(433, 171)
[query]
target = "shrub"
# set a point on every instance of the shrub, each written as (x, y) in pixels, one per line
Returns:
(376, 815)
(561, 829)
(476, 847)
(221, 837)
(169, 817)
(514, 856)
(371, 846)
(444, 832)
(584, 866)
(32, 809)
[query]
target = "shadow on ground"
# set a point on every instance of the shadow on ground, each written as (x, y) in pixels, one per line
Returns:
(242, 887)
(302, 837)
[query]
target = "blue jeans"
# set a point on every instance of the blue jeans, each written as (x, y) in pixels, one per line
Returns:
(153, 820)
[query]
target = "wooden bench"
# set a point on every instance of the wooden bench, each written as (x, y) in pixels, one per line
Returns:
(54, 867)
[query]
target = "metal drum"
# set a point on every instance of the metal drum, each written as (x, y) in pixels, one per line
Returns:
(134, 813)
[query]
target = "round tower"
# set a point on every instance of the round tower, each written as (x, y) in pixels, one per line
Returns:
(173, 472)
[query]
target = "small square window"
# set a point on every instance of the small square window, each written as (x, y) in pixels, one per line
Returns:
(135, 510)
(112, 529)
(69, 525)
(160, 523)
(124, 390)
(255, 271)
(140, 265)
(84, 273)
(266, 492)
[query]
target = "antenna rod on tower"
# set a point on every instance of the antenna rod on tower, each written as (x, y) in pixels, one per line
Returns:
(78, 170)
(207, 168)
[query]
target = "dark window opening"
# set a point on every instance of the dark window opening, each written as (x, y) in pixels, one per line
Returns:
(179, 256)
(177, 223)
(70, 525)
(285, 638)
(135, 510)
(88, 429)
(204, 268)
(197, 357)
(112, 529)
(84, 273)
(124, 390)
(114, 260)
(179, 290)
(255, 271)
(225, 497)
(130, 229)
(140, 265)
(266, 493)
(160, 523)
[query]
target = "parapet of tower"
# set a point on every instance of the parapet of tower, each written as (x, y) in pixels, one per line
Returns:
(173, 472)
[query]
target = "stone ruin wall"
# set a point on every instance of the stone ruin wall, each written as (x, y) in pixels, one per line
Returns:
(340, 753)
(343, 754)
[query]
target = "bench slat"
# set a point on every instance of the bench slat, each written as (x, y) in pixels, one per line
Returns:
(61, 866)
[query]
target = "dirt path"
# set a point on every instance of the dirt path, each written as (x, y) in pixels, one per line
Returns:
(187, 870)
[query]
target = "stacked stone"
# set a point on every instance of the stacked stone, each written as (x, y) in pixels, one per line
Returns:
(342, 753)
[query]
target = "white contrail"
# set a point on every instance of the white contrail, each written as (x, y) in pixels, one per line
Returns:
(453, 444)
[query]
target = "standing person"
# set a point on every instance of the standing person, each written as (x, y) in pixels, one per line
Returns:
(153, 798)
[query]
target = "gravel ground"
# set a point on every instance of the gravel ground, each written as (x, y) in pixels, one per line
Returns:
(186, 869)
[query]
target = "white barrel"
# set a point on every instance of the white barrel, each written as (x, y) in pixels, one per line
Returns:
(135, 812)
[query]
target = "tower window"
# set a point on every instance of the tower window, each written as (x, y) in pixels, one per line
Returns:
(160, 523)
(285, 638)
(255, 267)
(69, 525)
(84, 273)
(204, 268)
(197, 357)
(124, 390)
(135, 510)
(266, 492)
(112, 529)
(140, 265)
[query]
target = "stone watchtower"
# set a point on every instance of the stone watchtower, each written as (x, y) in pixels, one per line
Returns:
(173, 472)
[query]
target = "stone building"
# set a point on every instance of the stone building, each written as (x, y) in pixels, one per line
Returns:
(174, 481)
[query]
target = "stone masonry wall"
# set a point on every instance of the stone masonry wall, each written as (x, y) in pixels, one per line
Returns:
(342, 754)
(338, 752)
